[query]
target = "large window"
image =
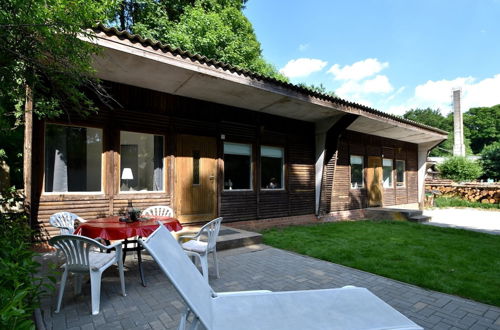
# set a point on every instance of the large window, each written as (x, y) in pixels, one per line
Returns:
(356, 172)
(272, 174)
(400, 173)
(72, 159)
(387, 172)
(237, 166)
(141, 165)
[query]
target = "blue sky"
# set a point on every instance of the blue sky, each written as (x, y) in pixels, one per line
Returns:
(392, 55)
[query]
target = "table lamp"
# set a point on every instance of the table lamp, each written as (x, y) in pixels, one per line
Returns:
(127, 176)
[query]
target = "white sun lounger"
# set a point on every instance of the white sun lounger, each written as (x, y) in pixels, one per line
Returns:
(343, 308)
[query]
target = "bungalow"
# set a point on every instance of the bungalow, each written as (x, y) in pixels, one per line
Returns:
(210, 139)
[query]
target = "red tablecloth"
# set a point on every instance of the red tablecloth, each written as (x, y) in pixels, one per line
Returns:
(111, 228)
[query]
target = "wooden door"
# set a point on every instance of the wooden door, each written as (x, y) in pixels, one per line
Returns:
(374, 181)
(196, 178)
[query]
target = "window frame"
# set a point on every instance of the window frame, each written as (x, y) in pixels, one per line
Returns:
(283, 176)
(391, 176)
(251, 167)
(362, 172)
(118, 168)
(103, 162)
(404, 173)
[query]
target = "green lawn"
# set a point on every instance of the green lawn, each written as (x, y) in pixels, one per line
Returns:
(454, 261)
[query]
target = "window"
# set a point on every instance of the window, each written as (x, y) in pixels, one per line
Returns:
(272, 174)
(237, 166)
(141, 162)
(196, 167)
(400, 173)
(387, 172)
(357, 172)
(72, 159)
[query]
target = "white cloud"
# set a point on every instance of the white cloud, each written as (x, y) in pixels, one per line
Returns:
(438, 94)
(302, 67)
(303, 47)
(358, 70)
(357, 90)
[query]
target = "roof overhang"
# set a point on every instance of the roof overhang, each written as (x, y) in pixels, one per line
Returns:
(133, 63)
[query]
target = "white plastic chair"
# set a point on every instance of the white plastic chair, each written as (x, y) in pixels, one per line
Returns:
(200, 248)
(82, 259)
(161, 211)
(65, 221)
(343, 308)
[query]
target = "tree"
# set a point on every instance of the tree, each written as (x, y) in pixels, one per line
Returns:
(216, 29)
(460, 169)
(482, 126)
(318, 89)
(490, 158)
(434, 118)
(41, 49)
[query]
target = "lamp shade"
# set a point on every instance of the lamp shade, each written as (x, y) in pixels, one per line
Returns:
(127, 174)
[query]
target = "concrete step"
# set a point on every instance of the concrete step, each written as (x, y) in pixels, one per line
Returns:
(420, 218)
(387, 213)
(229, 238)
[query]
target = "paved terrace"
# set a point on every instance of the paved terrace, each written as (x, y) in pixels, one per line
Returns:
(158, 306)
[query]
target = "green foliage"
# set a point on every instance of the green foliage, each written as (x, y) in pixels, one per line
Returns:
(490, 159)
(483, 126)
(443, 202)
(434, 118)
(449, 260)
(460, 169)
(20, 289)
(41, 48)
(216, 29)
(318, 89)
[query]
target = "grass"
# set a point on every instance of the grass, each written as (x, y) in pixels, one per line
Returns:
(457, 202)
(453, 261)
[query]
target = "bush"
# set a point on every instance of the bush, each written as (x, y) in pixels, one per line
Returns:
(460, 169)
(20, 290)
(490, 159)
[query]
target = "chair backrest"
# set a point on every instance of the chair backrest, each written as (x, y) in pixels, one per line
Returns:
(161, 211)
(65, 221)
(183, 274)
(76, 249)
(211, 229)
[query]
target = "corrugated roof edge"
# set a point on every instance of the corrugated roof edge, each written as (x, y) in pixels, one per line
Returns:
(204, 60)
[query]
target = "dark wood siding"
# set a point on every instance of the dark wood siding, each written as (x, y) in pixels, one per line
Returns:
(147, 111)
(353, 143)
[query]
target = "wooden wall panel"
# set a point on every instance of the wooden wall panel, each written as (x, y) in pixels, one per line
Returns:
(237, 206)
(352, 143)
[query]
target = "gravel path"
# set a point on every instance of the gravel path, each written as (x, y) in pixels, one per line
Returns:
(472, 219)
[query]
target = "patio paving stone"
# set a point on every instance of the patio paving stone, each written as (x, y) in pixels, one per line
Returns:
(158, 306)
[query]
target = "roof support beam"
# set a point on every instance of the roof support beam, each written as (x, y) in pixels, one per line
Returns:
(327, 135)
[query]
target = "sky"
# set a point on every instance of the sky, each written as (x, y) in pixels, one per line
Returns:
(392, 55)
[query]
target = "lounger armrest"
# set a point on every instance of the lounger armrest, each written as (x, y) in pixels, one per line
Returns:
(241, 293)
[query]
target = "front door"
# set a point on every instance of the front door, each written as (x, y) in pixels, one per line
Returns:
(196, 178)
(374, 181)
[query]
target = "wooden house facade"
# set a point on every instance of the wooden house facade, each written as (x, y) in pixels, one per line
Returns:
(212, 140)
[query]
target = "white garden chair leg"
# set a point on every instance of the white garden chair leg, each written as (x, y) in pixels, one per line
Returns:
(216, 264)
(95, 284)
(62, 285)
(204, 265)
(122, 275)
